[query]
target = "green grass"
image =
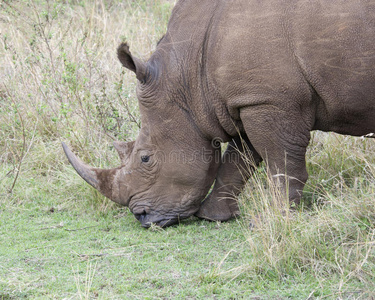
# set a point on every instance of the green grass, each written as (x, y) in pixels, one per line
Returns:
(52, 255)
(60, 81)
(63, 246)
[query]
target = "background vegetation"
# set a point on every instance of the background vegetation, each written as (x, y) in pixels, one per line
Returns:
(60, 81)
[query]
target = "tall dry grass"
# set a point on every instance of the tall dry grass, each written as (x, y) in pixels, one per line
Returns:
(331, 237)
(60, 80)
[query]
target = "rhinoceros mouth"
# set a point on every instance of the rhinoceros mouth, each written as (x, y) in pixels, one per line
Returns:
(148, 220)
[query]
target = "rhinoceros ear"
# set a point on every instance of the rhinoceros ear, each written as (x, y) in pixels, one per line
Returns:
(130, 62)
(123, 149)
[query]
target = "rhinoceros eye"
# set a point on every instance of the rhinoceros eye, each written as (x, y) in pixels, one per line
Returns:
(145, 158)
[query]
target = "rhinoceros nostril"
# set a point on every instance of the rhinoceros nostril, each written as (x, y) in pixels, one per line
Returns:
(140, 217)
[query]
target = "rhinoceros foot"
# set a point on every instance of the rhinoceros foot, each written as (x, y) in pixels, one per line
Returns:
(218, 209)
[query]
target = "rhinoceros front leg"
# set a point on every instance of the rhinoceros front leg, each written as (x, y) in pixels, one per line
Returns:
(238, 162)
(281, 138)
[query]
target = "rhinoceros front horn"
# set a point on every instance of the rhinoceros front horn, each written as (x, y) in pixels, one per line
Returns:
(101, 179)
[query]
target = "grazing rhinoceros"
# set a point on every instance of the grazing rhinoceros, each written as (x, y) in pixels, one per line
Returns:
(266, 71)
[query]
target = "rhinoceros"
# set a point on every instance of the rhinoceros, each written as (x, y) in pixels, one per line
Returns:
(258, 75)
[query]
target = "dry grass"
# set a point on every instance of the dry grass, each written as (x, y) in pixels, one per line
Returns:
(60, 79)
(331, 236)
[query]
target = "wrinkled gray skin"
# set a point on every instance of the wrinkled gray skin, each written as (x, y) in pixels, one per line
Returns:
(268, 71)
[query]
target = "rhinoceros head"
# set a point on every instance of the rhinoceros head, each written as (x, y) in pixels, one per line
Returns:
(169, 168)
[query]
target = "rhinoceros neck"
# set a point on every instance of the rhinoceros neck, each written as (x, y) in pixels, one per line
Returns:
(184, 54)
